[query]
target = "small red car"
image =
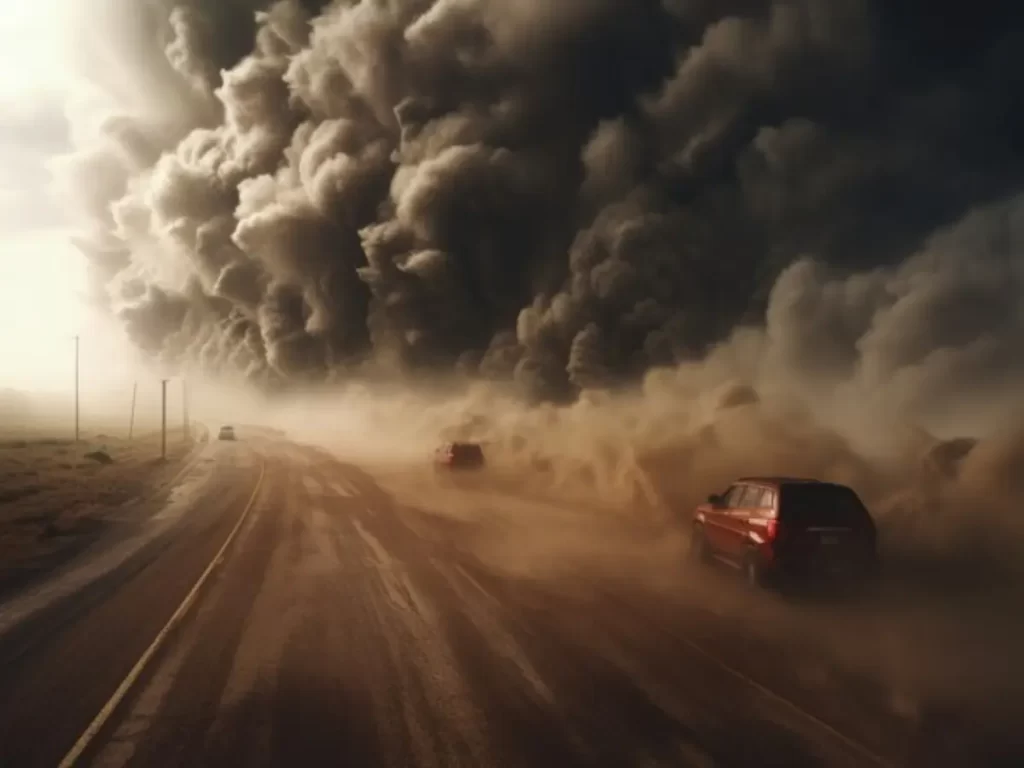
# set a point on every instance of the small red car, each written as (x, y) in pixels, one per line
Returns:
(456, 455)
(781, 529)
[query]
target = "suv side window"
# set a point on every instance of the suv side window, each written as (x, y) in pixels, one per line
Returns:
(751, 498)
(732, 496)
(767, 500)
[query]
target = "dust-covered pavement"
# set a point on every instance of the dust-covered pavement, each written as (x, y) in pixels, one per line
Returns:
(68, 639)
(376, 619)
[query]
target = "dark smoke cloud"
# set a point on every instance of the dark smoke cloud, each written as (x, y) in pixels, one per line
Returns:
(946, 319)
(565, 193)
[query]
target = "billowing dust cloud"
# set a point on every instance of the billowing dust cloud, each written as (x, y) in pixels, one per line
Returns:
(647, 457)
(703, 239)
(564, 196)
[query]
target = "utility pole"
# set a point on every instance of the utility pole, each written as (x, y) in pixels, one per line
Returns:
(163, 418)
(184, 406)
(76, 389)
(131, 422)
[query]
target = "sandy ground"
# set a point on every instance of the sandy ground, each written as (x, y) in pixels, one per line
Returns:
(57, 496)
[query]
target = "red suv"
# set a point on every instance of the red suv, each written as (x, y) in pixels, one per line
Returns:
(459, 456)
(781, 529)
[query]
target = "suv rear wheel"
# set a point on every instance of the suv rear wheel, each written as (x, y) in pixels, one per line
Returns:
(753, 572)
(699, 553)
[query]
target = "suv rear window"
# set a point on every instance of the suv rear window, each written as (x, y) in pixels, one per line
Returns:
(466, 451)
(822, 504)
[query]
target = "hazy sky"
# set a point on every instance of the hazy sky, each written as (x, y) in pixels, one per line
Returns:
(42, 276)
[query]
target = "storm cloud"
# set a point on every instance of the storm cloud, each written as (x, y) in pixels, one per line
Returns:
(564, 194)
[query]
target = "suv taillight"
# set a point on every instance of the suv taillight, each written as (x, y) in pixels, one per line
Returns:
(772, 531)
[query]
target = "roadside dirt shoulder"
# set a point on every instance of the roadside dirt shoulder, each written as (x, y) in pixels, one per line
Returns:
(57, 497)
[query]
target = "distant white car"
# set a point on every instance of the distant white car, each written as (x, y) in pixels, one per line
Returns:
(226, 433)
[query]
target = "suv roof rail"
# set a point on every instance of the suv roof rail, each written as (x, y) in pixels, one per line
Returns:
(777, 479)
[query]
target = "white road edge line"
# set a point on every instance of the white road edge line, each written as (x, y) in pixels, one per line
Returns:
(122, 690)
(850, 742)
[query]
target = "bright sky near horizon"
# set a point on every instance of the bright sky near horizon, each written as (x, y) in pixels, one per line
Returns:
(42, 276)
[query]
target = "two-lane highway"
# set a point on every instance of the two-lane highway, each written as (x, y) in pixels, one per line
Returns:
(347, 625)
(342, 631)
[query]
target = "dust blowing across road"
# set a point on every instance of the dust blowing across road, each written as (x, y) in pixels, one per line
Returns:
(392, 619)
(351, 625)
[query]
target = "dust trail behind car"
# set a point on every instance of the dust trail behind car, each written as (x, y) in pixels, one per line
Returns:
(605, 485)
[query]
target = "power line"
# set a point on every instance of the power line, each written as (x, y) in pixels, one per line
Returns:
(131, 422)
(163, 418)
(76, 389)
(184, 407)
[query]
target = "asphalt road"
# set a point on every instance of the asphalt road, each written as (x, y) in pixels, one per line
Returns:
(351, 623)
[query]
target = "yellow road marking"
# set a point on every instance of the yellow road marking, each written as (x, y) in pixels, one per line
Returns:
(122, 690)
